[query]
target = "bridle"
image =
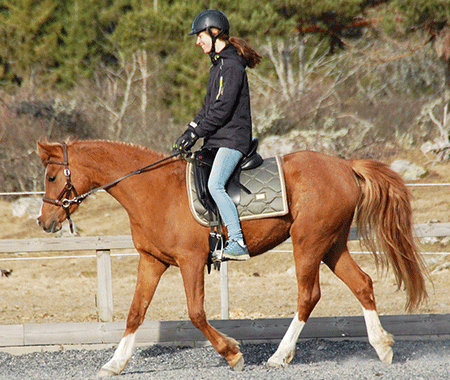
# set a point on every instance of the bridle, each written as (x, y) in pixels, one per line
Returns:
(63, 199)
(69, 194)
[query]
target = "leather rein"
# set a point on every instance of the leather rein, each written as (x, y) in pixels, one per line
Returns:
(69, 194)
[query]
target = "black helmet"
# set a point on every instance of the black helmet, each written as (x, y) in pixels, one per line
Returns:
(210, 18)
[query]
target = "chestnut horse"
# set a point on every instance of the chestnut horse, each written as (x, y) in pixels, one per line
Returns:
(324, 194)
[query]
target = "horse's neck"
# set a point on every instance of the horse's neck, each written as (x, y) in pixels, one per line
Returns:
(107, 161)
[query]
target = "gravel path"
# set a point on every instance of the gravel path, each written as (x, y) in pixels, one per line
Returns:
(316, 359)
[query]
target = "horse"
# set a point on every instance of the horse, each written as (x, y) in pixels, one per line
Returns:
(325, 194)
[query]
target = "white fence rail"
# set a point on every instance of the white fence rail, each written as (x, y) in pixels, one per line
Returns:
(104, 244)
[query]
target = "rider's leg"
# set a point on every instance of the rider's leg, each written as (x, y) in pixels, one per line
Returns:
(223, 167)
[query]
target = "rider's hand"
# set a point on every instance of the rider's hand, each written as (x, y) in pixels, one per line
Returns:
(186, 141)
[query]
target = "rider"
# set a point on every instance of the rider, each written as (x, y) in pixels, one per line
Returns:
(224, 121)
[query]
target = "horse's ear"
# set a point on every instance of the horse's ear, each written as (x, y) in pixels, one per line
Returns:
(45, 151)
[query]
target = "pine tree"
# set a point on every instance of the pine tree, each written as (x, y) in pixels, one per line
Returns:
(28, 39)
(423, 12)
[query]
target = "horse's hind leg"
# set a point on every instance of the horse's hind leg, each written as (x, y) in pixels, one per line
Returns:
(150, 271)
(360, 283)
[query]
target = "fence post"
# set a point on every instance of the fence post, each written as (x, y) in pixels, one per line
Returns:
(224, 295)
(104, 298)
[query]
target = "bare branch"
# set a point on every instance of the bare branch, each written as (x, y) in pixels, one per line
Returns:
(444, 133)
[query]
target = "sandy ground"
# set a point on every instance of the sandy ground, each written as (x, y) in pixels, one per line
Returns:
(63, 290)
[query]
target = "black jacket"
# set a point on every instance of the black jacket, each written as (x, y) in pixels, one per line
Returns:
(225, 118)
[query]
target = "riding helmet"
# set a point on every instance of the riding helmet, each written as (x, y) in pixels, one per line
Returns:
(210, 18)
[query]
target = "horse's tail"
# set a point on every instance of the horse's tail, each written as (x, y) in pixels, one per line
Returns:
(385, 224)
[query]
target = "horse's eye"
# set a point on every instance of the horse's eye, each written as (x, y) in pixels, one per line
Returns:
(51, 179)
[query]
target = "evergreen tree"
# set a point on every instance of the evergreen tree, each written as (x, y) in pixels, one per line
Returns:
(66, 41)
(28, 39)
(423, 12)
(179, 72)
(78, 37)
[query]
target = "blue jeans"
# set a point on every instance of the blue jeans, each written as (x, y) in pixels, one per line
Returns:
(223, 166)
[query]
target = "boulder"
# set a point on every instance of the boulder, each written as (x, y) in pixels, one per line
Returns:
(29, 207)
(409, 171)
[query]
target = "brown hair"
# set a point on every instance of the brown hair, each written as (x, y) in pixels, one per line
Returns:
(251, 56)
(244, 49)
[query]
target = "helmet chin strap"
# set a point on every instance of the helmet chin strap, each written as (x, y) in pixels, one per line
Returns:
(214, 38)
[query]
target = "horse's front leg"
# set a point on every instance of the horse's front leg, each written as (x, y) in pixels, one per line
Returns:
(194, 280)
(150, 271)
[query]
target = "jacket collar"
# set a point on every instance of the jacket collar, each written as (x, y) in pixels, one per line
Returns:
(229, 52)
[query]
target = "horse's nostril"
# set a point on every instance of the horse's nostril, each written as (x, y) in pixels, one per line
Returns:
(52, 227)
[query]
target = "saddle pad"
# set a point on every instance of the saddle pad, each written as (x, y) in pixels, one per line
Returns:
(268, 193)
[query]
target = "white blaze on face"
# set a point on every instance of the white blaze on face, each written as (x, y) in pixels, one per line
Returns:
(42, 203)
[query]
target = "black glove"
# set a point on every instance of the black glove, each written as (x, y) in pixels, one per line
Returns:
(186, 141)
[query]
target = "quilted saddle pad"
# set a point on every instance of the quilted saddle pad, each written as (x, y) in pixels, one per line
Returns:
(268, 193)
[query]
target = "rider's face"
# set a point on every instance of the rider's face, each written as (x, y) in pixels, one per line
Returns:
(204, 41)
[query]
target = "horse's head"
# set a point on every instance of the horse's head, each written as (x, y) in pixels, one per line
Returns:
(59, 189)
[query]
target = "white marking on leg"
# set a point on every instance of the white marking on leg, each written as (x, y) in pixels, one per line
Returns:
(379, 338)
(121, 356)
(286, 349)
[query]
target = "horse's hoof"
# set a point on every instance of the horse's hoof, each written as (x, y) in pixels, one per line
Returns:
(106, 373)
(278, 361)
(238, 362)
(386, 356)
(384, 349)
(275, 364)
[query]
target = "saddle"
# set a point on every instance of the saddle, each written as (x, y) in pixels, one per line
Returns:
(203, 160)
(256, 187)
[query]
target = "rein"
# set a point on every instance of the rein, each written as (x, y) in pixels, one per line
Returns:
(64, 199)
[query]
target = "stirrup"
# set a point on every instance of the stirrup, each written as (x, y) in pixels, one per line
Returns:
(216, 242)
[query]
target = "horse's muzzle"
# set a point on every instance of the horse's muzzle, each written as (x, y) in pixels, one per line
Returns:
(52, 226)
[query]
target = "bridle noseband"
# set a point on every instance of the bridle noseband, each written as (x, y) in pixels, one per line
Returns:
(64, 199)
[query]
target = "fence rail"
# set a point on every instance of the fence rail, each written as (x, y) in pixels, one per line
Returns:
(35, 336)
(104, 244)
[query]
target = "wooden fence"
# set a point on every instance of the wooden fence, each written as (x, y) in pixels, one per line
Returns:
(104, 244)
(37, 336)
(101, 244)
(108, 332)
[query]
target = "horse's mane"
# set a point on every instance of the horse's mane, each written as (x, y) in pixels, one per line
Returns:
(72, 141)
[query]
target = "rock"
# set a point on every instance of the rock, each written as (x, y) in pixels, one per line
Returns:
(298, 140)
(445, 240)
(429, 240)
(27, 207)
(408, 170)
